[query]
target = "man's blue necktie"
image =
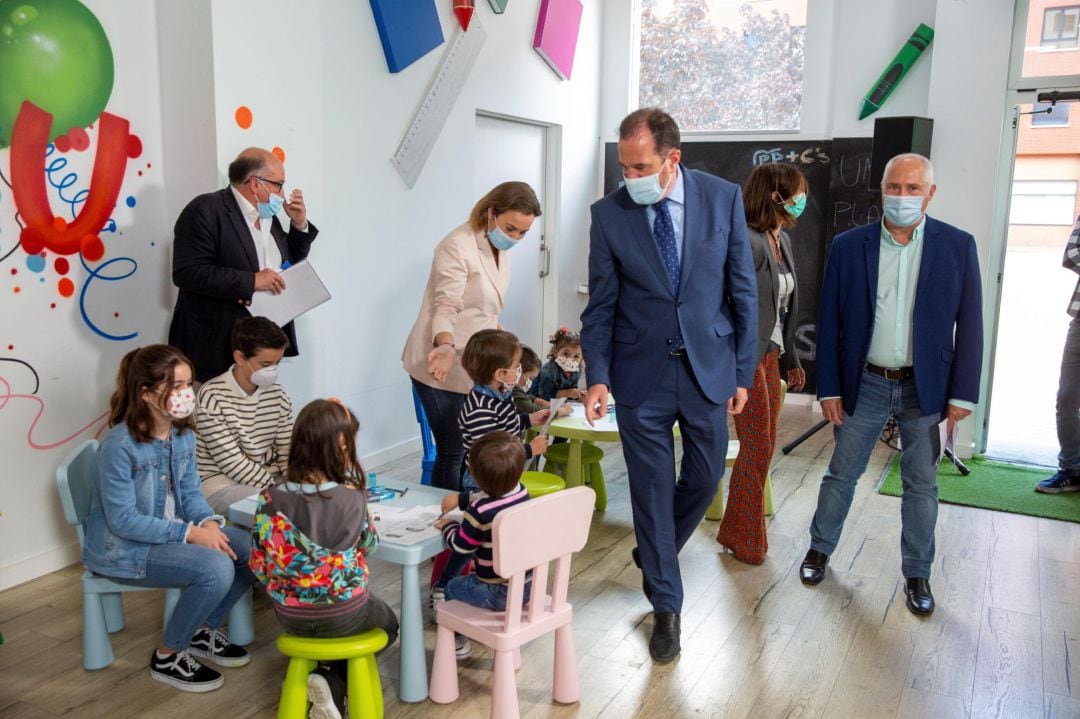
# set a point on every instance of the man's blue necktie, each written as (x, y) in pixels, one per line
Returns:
(664, 233)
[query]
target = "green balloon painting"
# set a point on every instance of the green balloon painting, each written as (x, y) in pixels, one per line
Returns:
(55, 54)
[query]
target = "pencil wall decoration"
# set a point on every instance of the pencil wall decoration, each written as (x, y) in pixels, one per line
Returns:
(498, 6)
(896, 70)
(556, 34)
(463, 11)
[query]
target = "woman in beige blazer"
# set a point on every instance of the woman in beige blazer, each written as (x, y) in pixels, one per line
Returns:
(465, 293)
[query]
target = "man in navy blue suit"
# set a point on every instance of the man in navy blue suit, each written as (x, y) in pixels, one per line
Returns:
(899, 335)
(670, 330)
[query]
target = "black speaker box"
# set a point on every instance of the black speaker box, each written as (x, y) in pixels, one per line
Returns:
(896, 135)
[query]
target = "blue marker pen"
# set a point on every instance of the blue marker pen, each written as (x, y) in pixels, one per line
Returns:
(286, 265)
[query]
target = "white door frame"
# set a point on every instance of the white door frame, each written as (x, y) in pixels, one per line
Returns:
(1020, 91)
(552, 193)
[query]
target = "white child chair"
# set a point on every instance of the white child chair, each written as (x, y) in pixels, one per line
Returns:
(525, 537)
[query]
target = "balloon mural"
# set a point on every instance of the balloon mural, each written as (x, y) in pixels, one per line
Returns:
(56, 82)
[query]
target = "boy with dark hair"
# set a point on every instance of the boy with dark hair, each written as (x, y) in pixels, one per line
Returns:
(496, 461)
(244, 418)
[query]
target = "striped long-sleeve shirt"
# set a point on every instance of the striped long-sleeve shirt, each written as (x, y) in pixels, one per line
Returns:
(241, 438)
(1071, 261)
(486, 411)
(473, 535)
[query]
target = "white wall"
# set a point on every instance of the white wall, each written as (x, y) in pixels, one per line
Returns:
(338, 113)
(77, 367)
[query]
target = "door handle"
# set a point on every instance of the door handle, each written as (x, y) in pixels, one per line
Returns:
(545, 259)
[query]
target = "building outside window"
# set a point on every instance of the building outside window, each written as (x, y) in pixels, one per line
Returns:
(1060, 26)
(724, 65)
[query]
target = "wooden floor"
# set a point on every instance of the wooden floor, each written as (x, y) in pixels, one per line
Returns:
(1004, 641)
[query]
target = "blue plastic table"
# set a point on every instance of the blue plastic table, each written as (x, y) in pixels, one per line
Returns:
(413, 686)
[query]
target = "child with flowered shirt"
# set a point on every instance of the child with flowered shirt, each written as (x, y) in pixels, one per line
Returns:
(310, 537)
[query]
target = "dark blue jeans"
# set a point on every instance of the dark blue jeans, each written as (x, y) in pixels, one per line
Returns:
(477, 593)
(442, 408)
(1068, 402)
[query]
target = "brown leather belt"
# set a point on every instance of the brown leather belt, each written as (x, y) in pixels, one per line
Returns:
(891, 373)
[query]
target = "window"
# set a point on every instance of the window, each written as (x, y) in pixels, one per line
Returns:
(1043, 202)
(1060, 28)
(724, 65)
(1059, 117)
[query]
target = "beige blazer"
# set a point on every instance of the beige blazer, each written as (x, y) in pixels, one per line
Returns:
(465, 293)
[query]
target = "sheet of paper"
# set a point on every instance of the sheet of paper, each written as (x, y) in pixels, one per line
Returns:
(412, 525)
(303, 291)
(577, 410)
(945, 440)
(555, 404)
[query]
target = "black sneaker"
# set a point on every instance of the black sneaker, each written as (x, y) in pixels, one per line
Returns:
(180, 670)
(212, 645)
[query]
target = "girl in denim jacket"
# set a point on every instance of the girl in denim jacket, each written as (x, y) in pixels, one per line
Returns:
(150, 526)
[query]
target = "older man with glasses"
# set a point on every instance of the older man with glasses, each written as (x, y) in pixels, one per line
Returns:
(228, 245)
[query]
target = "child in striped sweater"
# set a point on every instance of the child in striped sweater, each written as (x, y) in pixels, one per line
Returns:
(497, 460)
(492, 359)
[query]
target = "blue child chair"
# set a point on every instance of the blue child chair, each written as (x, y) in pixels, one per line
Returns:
(426, 437)
(103, 610)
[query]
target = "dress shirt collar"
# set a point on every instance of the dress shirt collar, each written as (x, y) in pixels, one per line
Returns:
(887, 238)
(250, 212)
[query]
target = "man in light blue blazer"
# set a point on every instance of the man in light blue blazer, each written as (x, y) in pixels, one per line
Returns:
(671, 331)
(899, 335)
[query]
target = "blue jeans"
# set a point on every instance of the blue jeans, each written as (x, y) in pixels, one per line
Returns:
(476, 592)
(1068, 402)
(880, 399)
(442, 408)
(209, 580)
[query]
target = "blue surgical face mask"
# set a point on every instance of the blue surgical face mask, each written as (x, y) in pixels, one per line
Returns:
(646, 190)
(272, 206)
(903, 210)
(500, 240)
(800, 205)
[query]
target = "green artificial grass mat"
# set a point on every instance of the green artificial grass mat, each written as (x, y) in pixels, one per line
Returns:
(994, 485)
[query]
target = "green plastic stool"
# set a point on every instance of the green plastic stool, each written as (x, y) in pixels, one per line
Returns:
(558, 457)
(715, 512)
(364, 689)
(541, 483)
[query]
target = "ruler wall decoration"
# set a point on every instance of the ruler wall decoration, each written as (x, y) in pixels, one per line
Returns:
(438, 100)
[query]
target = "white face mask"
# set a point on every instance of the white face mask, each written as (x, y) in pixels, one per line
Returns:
(182, 403)
(568, 364)
(265, 377)
(507, 386)
(526, 385)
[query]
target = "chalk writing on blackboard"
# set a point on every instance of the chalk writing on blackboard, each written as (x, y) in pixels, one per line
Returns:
(803, 156)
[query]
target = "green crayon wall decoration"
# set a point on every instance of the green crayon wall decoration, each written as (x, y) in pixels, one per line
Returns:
(896, 70)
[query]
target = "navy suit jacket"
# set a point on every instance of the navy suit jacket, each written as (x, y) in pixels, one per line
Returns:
(947, 330)
(633, 314)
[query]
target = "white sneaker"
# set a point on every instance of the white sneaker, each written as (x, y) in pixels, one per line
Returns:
(462, 646)
(321, 698)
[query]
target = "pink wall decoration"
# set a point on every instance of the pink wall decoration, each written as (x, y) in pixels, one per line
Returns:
(557, 32)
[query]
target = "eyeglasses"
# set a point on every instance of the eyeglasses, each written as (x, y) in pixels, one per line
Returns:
(279, 185)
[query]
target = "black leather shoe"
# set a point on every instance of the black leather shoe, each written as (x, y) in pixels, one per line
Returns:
(644, 582)
(664, 644)
(812, 570)
(919, 598)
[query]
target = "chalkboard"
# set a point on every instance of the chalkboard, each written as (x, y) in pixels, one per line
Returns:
(839, 198)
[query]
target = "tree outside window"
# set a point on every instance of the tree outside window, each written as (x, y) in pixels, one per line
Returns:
(714, 68)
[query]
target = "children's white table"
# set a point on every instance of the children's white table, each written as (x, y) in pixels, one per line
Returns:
(413, 685)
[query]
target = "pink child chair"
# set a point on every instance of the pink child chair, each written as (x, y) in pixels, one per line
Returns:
(525, 537)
